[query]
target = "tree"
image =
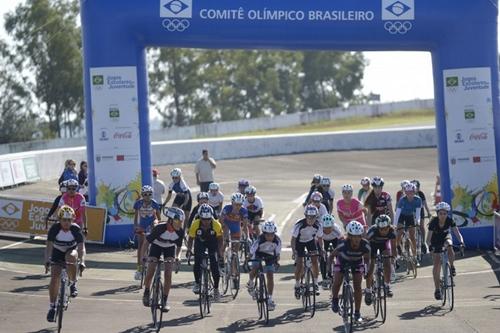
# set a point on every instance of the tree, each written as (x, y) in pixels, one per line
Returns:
(48, 45)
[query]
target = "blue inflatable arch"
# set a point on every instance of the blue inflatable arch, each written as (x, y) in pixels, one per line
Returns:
(460, 34)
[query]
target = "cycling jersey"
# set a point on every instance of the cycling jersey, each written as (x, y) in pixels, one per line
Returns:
(146, 212)
(215, 200)
(205, 235)
(63, 241)
(380, 205)
(255, 206)
(349, 255)
(261, 248)
(440, 234)
(305, 233)
(353, 211)
(77, 202)
(164, 235)
(335, 233)
(399, 195)
(409, 207)
(374, 235)
(178, 187)
(362, 194)
(322, 209)
(422, 196)
(233, 220)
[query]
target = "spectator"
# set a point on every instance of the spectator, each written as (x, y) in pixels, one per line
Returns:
(82, 179)
(158, 187)
(204, 171)
(69, 171)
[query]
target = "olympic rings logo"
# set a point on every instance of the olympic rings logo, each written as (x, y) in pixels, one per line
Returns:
(398, 27)
(175, 24)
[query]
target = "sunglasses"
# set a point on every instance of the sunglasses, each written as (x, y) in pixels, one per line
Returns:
(147, 194)
(71, 188)
(67, 220)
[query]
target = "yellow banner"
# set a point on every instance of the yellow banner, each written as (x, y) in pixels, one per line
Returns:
(28, 216)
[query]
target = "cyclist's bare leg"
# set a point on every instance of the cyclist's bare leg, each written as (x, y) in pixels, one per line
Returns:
(186, 218)
(270, 283)
(169, 263)
(451, 254)
(55, 273)
(253, 274)
(235, 248)
(337, 281)
(299, 263)
(152, 262)
(422, 230)
(357, 278)
(436, 261)
(399, 237)
(369, 277)
(140, 243)
(71, 265)
(413, 241)
(315, 267)
(387, 269)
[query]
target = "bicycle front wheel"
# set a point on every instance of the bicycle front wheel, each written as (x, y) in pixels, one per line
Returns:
(310, 293)
(264, 298)
(382, 298)
(235, 278)
(203, 291)
(375, 296)
(450, 293)
(61, 305)
(348, 308)
(159, 306)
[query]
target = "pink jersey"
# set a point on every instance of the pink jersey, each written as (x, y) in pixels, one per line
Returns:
(353, 211)
(77, 202)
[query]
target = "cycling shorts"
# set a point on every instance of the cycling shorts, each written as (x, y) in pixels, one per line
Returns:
(381, 247)
(179, 200)
(311, 246)
(438, 245)
(156, 251)
(252, 216)
(60, 256)
(268, 266)
(406, 221)
(234, 229)
(355, 266)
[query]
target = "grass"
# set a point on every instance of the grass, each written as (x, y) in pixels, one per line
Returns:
(396, 119)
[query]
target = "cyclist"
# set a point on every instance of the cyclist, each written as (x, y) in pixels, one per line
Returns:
(307, 234)
(147, 214)
(165, 239)
(65, 244)
(401, 192)
(351, 253)
(55, 204)
(76, 201)
(350, 208)
(421, 223)
(316, 200)
(407, 213)
(438, 238)
(382, 237)
(378, 201)
(202, 198)
(314, 185)
(327, 192)
(255, 207)
(206, 233)
(266, 247)
(331, 235)
(242, 185)
(364, 190)
(182, 198)
(235, 219)
(215, 197)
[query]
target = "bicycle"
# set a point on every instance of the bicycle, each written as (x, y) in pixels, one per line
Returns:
(231, 261)
(245, 251)
(379, 297)
(261, 292)
(307, 287)
(156, 299)
(346, 306)
(328, 263)
(408, 259)
(447, 284)
(206, 285)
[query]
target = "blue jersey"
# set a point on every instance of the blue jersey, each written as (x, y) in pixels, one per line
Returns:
(147, 213)
(409, 207)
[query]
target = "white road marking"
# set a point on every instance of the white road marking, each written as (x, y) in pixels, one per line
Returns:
(298, 201)
(14, 244)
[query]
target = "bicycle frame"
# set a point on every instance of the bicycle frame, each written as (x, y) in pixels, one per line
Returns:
(347, 300)
(262, 294)
(307, 289)
(156, 300)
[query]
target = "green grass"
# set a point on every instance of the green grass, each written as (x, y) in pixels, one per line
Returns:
(402, 118)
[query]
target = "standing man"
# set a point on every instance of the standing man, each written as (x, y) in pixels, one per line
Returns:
(158, 187)
(204, 171)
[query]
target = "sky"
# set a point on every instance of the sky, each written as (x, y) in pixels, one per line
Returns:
(387, 73)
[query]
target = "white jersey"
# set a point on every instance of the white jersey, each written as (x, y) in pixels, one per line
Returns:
(262, 247)
(159, 189)
(322, 210)
(336, 233)
(253, 207)
(216, 200)
(305, 233)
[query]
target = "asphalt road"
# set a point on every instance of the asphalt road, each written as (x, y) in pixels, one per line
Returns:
(110, 300)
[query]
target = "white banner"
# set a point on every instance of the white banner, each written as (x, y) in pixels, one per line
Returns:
(471, 145)
(115, 123)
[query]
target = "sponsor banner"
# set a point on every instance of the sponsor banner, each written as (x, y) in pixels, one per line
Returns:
(471, 145)
(116, 140)
(31, 169)
(6, 178)
(18, 172)
(28, 216)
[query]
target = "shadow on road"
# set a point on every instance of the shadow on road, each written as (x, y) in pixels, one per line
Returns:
(45, 330)
(31, 277)
(121, 290)
(30, 289)
(367, 324)
(428, 311)
(182, 321)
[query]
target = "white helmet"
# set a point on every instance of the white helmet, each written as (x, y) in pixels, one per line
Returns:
(355, 228)
(365, 181)
(311, 210)
(250, 189)
(175, 213)
(176, 172)
(347, 188)
(328, 221)
(237, 198)
(213, 186)
(72, 183)
(325, 181)
(383, 221)
(404, 182)
(269, 227)
(146, 189)
(377, 181)
(205, 211)
(443, 206)
(410, 187)
(316, 196)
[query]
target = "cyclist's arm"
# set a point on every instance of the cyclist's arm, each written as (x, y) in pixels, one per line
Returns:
(245, 228)
(158, 215)
(417, 214)
(48, 250)
(292, 244)
(457, 233)
(429, 237)
(84, 216)
(220, 244)
(169, 196)
(426, 207)
(396, 218)
(393, 248)
(81, 253)
(54, 207)
(391, 211)
(190, 244)
(178, 250)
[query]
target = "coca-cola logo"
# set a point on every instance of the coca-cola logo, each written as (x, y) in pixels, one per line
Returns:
(122, 135)
(478, 136)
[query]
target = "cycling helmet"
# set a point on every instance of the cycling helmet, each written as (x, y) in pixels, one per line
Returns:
(317, 178)
(404, 182)
(355, 228)
(63, 187)
(325, 181)
(328, 221)
(410, 187)
(383, 221)
(377, 181)
(146, 189)
(250, 190)
(176, 172)
(311, 211)
(416, 182)
(202, 195)
(316, 196)
(175, 213)
(213, 186)
(443, 206)
(205, 211)
(365, 181)
(155, 173)
(72, 183)
(269, 227)
(243, 182)
(347, 188)
(66, 212)
(237, 198)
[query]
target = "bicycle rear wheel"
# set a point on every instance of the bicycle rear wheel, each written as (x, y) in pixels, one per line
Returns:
(382, 297)
(347, 308)
(235, 278)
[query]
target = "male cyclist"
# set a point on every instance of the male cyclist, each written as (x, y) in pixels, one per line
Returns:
(307, 234)
(64, 245)
(76, 201)
(242, 185)
(182, 198)
(331, 236)
(364, 190)
(215, 197)
(378, 201)
(351, 252)
(407, 213)
(206, 233)
(421, 223)
(147, 214)
(266, 247)
(255, 207)
(165, 239)
(382, 237)
(439, 239)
